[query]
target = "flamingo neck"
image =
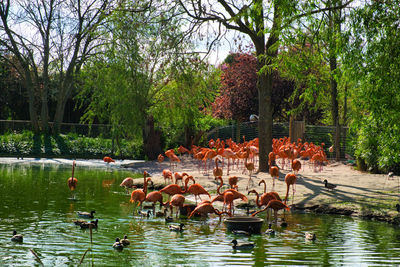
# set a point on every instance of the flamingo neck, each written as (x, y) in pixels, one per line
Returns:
(265, 186)
(287, 192)
(73, 169)
(220, 185)
(257, 199)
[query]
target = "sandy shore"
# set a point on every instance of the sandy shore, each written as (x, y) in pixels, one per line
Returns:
(356, 193)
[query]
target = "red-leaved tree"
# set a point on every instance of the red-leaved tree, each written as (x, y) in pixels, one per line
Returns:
(238, 97)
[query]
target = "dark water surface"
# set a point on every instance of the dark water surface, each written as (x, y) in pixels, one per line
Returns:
(35, 200)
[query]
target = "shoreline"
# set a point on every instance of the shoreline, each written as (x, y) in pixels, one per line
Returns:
(358, 194)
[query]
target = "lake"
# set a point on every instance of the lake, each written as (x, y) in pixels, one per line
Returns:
(36, 202)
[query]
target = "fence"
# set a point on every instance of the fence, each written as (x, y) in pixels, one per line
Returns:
(93, 130)
(312, 133)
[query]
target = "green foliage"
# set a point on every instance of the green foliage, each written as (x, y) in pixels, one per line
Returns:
(184, 102)
(375, 68)
(69, 146)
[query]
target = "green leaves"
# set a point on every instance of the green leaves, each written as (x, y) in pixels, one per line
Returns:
(377, 72)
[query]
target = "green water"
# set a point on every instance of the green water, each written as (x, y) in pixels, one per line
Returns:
(35, 200)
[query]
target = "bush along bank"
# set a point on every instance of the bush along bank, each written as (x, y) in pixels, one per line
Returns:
(28, 144)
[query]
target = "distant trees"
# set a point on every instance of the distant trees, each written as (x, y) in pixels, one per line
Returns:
(146, 83)
(48, 42)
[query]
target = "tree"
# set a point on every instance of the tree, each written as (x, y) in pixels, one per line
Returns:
(372, 64)
(146, 79)
(59, 37)
(238, 97)
(263, 23)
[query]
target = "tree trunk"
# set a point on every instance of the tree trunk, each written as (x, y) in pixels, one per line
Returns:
(32, 107)
(334, 26)
(62, 98)
(151, 139)
(265, 121)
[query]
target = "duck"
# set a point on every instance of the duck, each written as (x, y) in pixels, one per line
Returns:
(85, 214)
(125, 242)
(161, 213)
(17, 237)
(169, 219)
(79, 222)
(329, 185)
(241, 232)
(283, 224)
(270, 231)
(144, 213)
(176, 228)
(118, 245)
(87, 225)
(241, 246)
(310, 236)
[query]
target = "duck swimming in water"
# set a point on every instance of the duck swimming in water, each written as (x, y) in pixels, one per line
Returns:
(17, 237)
(124, 241)
(92, 224)
(241, 232)
(118, 245)
(241, 246)
(85, 214)
(310, 236)
(270, 231)
(176, 228)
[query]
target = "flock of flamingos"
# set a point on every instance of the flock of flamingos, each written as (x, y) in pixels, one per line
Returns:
(238, 155)
(242, 156)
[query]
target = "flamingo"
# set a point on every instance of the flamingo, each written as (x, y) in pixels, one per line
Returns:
(296, 165)
(290, 180)
(196, 190)
(72, 181)
(180, 176)
(228, 202)
(274, 172)
(155, 197)
(205, 209)
(228, 154)
(139, 195)
(217, 171)
(160, 158)
(167, 174)
(271, 158)
(233, 181)
(127, 183)
(172, 157)
(249, 166)
(177, 201)
(208, 155)
(235, 193)
(274, 204)
(173, 189)
(108, 159)
(183, 150)
(274, 194)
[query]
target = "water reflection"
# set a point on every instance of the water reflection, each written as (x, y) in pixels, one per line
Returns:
(35, 202)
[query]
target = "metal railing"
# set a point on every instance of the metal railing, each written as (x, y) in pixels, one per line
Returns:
(312, 133)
